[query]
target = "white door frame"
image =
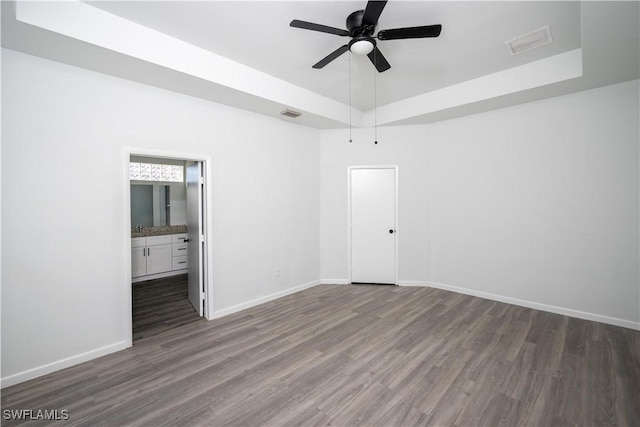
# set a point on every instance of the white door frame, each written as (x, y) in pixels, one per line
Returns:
(207, 162)
(395, 210)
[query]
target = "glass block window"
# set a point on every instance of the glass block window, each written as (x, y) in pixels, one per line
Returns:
(155, 172)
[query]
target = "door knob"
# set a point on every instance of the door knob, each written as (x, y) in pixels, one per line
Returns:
(391, 231)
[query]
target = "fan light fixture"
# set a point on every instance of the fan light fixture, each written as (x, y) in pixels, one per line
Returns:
(361, 47)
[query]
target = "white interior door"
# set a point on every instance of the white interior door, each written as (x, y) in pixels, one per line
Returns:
(373, 225)
(195, 183)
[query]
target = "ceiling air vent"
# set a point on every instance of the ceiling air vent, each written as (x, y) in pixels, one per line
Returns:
(290, 113)
(532, 40)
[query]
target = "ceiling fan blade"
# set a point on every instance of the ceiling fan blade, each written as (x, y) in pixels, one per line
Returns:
(333, 55)
(318, 27)
(378, 60)
(372, 12)
(410, 32)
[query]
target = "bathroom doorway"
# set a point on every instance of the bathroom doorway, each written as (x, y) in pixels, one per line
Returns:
(169, 232)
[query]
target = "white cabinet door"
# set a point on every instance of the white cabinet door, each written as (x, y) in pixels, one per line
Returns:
(159, 259)
(138, 261)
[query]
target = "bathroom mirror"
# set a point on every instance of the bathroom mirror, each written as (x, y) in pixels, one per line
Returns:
(150, 205)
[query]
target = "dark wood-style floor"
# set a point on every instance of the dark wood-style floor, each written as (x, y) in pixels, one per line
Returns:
(359, 355)
(160, 305)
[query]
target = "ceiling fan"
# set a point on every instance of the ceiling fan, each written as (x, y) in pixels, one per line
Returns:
(361, 25)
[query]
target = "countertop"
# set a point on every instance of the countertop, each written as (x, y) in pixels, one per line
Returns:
(159, 231)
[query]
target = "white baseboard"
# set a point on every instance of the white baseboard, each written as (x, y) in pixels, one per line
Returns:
(529, 304)
(334, 281)
(245, 305)
(61, 364)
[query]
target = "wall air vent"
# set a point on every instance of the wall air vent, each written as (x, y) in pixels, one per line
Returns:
(290, 113)
(532, 40)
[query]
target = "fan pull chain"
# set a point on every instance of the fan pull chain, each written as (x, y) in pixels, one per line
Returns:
(375, 97)
(350, 140)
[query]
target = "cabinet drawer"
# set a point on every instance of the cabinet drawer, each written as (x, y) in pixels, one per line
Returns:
(179, 249)
(138, 242)
(179, 238)
(179, 262)
(158, 240)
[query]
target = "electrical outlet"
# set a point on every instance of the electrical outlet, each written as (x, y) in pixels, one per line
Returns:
(277, 272)
(269, 274)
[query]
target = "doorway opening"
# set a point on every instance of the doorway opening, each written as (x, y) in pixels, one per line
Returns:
(167, 197)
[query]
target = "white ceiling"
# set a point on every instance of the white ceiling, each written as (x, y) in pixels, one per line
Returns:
(258, 34)
(471, 46)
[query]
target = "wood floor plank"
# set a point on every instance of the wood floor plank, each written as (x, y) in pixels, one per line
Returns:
(350, 355)
(160, 305)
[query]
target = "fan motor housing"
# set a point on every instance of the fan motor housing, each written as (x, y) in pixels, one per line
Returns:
(355, 27)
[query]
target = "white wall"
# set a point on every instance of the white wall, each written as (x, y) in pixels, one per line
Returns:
(63, 247)
(535, 204)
